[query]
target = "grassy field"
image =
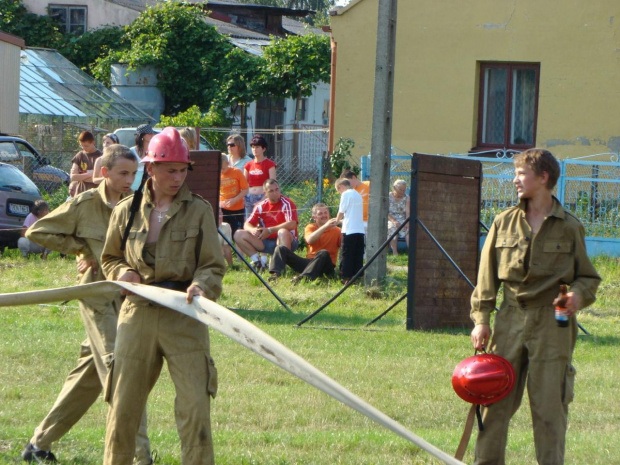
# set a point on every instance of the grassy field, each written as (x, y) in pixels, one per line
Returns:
(263, 415)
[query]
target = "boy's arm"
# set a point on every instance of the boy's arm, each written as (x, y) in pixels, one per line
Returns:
(56, 231)
(485, 294)
(210, 266)
(587, 279)
(113, 259)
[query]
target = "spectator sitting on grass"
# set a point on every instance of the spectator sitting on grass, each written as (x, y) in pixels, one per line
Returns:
(25, 245)
(272, 222)
(323, 238)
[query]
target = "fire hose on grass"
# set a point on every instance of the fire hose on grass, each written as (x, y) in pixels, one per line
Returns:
(239, 330)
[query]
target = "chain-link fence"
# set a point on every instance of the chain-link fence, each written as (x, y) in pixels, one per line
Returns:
(55, 140)
(588, 186)
(300, 152)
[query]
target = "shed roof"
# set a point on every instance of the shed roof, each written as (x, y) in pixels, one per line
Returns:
(52, 85)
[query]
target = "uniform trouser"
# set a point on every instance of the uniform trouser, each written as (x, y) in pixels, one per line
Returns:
(148, 333)
(85, 382)
(541, 354)
(310, 268)
(351, 255)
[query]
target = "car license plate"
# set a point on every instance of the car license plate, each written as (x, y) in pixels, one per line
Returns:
(19, 209)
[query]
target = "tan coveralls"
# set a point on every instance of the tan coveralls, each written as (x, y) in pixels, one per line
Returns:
(78, 227)
(187, 251)
(531, 268)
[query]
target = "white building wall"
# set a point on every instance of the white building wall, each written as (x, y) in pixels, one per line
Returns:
(100, 12)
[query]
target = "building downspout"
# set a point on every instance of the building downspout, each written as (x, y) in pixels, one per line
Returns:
(332, 94)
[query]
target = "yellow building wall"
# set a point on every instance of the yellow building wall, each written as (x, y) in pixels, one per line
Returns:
(438, 50)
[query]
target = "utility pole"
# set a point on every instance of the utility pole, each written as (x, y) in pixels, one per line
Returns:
(380, 162)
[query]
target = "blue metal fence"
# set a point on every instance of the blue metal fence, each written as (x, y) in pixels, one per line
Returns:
(589, 187)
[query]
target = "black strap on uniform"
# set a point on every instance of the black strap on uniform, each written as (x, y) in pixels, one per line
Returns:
(135, 206)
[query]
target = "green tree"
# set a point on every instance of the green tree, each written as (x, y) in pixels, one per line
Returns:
(194, 117)
(187, 52)
(84, 50)
(37, 31)
(240, 82)
(295, 64)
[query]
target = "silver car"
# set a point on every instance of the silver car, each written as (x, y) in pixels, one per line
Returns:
(17, 196)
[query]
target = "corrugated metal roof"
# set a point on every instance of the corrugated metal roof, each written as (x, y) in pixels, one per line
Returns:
(252, 46)
(52, 85)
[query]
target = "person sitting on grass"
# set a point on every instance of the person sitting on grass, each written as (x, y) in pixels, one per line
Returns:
(272, 222)
(25, 245)
(323, 238)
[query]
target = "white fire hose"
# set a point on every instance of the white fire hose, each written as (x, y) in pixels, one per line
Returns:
(239, 330)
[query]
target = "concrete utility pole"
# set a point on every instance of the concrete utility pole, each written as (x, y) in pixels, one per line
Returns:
(380, 162)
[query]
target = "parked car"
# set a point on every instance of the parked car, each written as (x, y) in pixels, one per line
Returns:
(21, 154)
(17, 196)
(126, 136)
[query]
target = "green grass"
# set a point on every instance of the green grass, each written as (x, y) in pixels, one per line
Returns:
(263, 415)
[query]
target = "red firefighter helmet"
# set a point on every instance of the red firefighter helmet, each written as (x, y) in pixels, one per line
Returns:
(483, 379)
(167, 147)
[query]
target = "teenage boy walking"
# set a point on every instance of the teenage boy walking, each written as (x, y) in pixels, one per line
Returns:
(78, 227)
(173, 244)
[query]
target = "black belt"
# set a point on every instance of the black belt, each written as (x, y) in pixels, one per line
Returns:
(173, 285)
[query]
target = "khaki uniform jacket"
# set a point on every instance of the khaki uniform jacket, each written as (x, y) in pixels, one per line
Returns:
(532, 267)
(187, 247)
(78, 227)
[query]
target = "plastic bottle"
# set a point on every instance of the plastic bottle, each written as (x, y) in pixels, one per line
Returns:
(560, 308)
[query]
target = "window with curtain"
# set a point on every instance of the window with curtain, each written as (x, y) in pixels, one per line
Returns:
(508, 105)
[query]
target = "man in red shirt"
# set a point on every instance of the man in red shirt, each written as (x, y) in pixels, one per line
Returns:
(323, 238)
(272, 222)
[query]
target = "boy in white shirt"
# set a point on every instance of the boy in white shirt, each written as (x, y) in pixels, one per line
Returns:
(350, 212)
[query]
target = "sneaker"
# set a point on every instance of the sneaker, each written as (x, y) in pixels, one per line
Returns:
(34, 455)
(273, 277)
(258, 266)
(296, 279)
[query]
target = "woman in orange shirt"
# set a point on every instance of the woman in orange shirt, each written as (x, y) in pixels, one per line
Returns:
(233, 189)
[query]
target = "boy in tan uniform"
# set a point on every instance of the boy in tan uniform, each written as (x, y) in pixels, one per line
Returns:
(172, 243)
(531, 249)
(78, 227)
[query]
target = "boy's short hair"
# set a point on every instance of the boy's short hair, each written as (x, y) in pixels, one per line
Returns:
(86, 136)
(113, 153)
(540, 161)
(269, 182)
(343, 182)
(348, 174)
(39, 207)
(224, 158)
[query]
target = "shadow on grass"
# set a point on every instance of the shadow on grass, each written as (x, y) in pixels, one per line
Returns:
(280, 316)
(594, 340)
(326, 321)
